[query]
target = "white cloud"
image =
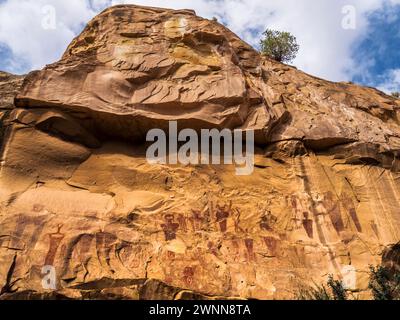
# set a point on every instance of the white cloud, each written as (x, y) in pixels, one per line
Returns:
(325, 46)
(391, 82)
(22, 31)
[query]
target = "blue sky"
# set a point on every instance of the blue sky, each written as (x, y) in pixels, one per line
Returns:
(366, 53)
(379, 49)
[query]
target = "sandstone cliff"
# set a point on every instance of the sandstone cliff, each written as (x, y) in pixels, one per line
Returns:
(76, 191)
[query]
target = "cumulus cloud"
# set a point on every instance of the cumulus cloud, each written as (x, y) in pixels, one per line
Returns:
(326, 47)
(25, 28)
(390, 81)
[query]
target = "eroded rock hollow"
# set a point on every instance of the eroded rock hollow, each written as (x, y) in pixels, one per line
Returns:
(77, 193)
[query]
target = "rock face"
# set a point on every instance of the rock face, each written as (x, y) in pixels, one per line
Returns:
(9, 86)
(77, 193)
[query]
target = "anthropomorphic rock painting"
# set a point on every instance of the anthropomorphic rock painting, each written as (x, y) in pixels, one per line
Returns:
(272, 244)
(182, 222)
(308, 225)
(170, 227)
(249, 243)
(222, 213)
(236, 217)
(348, 204)
(300, 206)
(55, 241)
(198, 219)
(105, 244)
(267, 221)
(332, 206)
(188, 276)
(27, 231)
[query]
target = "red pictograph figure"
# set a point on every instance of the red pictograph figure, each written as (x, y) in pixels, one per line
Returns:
(212, 248)
(272, 245)
(298, 206)
(78, 246)
(105, 243)
(236, 218)
(55, 241)
(349, 205)
(188, 276)
(85, 243)
(170, 227)
(333, 209)
(196, 220)
(222, 215)
(27, 231)
(268, 220)
(308, 225)
(182, 222)
(249, 243)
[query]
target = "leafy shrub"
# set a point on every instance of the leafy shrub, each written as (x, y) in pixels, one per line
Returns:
(280, 46)
(385, 285)
(333, 290)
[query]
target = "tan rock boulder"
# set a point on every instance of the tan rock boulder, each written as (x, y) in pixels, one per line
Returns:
(133, 69)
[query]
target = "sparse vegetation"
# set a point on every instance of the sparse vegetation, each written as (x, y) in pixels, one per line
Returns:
(280, 46)
(333, 290)
(396, 94)
(384, 285)
(319, 292)
(337, 288)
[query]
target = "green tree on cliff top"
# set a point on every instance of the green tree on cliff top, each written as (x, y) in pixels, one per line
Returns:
(280, 46)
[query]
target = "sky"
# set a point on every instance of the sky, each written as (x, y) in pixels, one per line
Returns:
(340, 40)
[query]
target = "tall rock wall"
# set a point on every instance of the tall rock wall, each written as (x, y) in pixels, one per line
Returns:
(77, 193)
